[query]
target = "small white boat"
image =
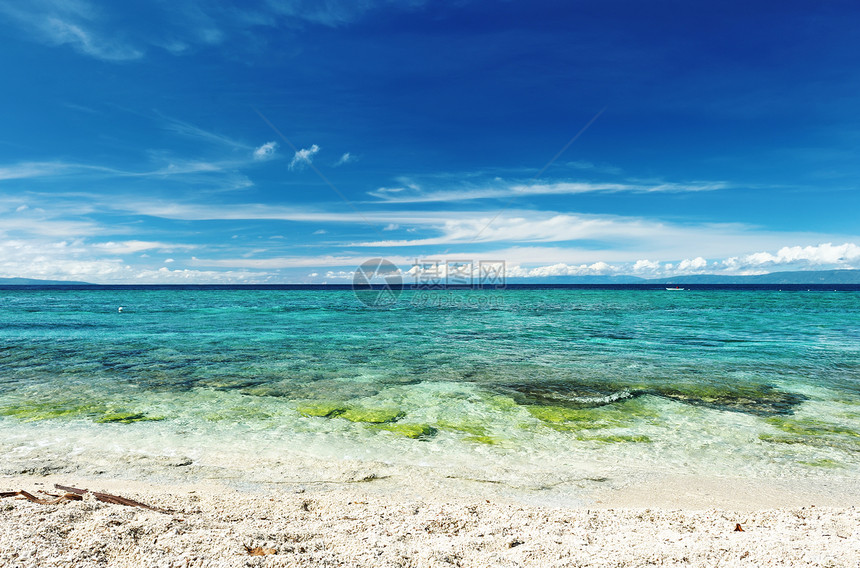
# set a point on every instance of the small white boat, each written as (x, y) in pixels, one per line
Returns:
(675, 288)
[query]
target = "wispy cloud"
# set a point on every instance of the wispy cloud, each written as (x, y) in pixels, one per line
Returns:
(266, 151)
(304, 157)
(506, 190)
(192, 131)
(88, 41)
(596, 168)
(333, 13)
(70, 22)
(28, 170)
(133, 246)
(346, 158)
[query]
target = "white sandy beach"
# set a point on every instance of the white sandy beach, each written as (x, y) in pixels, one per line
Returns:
(374, 523)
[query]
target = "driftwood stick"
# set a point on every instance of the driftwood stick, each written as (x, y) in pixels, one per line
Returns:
(70, 489)
(114, 499)
(30, 497)
(75, 494)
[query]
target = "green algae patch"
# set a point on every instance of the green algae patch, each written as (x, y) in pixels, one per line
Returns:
(566, 419)
(782, 439)
(825, 463)
(615, 439)
(126, 418)
(500, 402)
(372, 415)
(560, 414)
(33, 411)
(321, 410)
(414, 431)
(813, 441)
(351, 413)
(486, 440)
(468, 427)
(97, 412)
(811, 427)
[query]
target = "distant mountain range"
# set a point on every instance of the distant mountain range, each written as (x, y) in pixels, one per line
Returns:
(796, 277)
(34, 282)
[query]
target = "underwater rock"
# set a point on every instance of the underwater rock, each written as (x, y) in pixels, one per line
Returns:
(757, 399)
(409, 430)
(568, 394)
(126, 418)
(614, 439)
(323, 390)
(486, 440)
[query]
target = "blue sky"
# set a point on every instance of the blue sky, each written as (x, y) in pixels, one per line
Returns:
(289, 141)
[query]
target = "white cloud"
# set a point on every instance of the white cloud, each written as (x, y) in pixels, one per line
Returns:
(826, 253)
(97, 262)
(185, 276)
(692, 265)
(273, 263)
(346, 158)
(599, 268)
(320, 232)
(266, 151)
(645, 266)
(391, 227)
(304, 157)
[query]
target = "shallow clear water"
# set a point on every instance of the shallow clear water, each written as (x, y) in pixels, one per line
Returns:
(507, 384)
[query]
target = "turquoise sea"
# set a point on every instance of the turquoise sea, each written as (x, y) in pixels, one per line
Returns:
(510, 386)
